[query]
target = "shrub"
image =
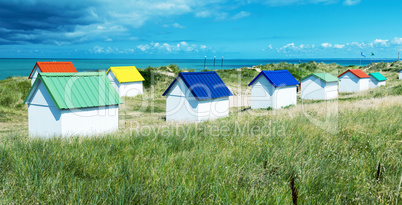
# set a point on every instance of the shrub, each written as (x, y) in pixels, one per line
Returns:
(13, 92)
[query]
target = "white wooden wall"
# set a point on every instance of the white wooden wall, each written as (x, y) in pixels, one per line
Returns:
(331, 90)
(264, 95)
(129, 89)
(90, 121)
(44, 119)
(34, 75)
(213, 108)
(313, 88)
(349, 83)
(262, 92)
(364, 83)
(182, 106)
(285, 96)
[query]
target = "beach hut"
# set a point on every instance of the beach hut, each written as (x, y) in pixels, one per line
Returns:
(197, 96)
(353, 80)
(65, 104)
(376, 80)
(400, 74)
(126, 80)
(275, 89)
(51, 67)
(319, 86)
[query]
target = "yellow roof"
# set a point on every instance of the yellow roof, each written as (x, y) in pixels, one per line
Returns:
(126, 74)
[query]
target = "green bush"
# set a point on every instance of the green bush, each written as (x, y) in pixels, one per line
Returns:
(13, 91)
(396, 90)
(152, 76)
(174, 68)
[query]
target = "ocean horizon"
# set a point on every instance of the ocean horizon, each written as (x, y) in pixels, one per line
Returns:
(10, 67)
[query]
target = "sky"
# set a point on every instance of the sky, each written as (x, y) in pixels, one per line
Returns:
(186, 29)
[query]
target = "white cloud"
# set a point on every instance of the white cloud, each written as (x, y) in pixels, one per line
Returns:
(240, 15)
(340, 46)
(287, 48)
(381, 42)
(351, 2)
(290, 45)
(171, 48)
(203, 14)
(143, 47)
(291, 48)
(396, 41)
(176, 25)
(293, 2)
(110, 50)
(270, 46)
(326, 45)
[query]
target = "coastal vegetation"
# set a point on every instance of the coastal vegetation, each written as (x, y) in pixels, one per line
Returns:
(346, 151)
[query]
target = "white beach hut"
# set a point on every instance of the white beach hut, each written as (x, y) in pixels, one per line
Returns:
(126, 80)
(319, 86)
(353, 80)
(51, 67)
(275, 89)
(376, 80)
(400, 75)
(65, 104)
(197, 96)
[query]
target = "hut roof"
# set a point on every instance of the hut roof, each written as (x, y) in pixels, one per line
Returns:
(378, 76)
(326, 77)
(357, 72)
(77, 90)
(54, 67)
(126, 74)
(203, 85)
(277, 78)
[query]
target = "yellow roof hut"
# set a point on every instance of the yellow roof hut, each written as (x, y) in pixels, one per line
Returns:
(127, 80)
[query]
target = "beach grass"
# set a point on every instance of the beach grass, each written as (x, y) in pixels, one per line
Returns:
(345, 151)
(211, 162)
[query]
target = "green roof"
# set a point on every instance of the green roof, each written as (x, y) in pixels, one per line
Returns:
(78, 90)
(326, 77)
(378, 76)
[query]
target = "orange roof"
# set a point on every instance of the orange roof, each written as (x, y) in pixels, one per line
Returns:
(357, 72)
(54, 67)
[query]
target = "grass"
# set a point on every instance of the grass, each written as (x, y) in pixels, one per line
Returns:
(197, 164)
(325, 152)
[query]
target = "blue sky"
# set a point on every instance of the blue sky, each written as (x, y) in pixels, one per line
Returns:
(245, 29)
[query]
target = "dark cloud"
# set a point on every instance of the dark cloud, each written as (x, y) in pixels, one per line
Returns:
(34, 22)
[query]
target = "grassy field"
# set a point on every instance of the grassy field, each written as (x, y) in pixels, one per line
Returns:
(327, 152)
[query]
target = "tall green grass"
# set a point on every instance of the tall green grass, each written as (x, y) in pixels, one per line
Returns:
(13, 92)
(223, 161)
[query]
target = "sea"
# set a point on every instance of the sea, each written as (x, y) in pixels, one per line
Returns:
(10, 67)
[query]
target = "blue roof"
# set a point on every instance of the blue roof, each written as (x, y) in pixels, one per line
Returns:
(277, 78)
(203, 85)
